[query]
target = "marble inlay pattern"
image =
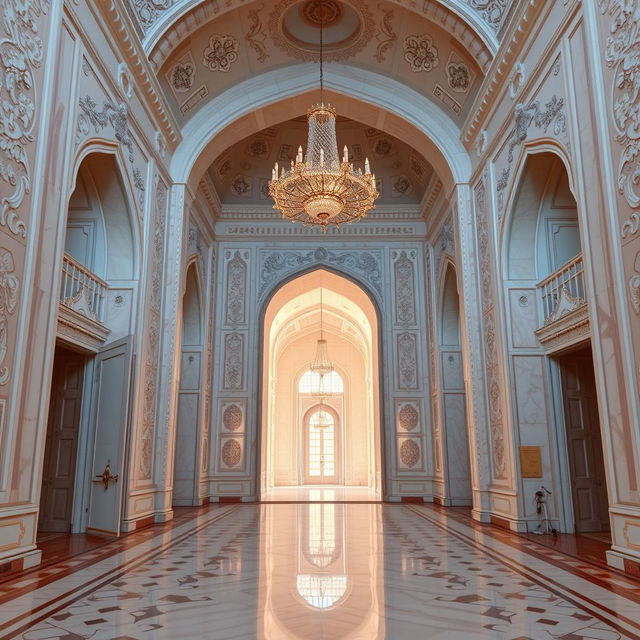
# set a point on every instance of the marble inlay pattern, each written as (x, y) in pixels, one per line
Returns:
(227, 576)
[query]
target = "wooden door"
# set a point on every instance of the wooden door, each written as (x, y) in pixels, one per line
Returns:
(110, 411)
(584, 444)
(59, 472)
(321, 448)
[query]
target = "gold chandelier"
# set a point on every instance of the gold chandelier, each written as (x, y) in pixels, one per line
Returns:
(318, 189)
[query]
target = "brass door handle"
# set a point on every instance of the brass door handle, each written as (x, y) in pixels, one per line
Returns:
(106, 477)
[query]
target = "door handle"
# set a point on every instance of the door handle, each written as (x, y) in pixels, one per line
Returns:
(106, 477)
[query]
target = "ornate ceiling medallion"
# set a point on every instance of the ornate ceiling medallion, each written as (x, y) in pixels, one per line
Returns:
(348, 28)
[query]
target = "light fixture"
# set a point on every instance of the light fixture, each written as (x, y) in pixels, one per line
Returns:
(321, 363)
(319, 189)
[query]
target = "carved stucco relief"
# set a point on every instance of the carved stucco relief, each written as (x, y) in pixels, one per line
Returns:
(490, 344)
(236, 288)
(407, 361)
(116, 117)
(404, 272)
(528, 118)
(409, 453)
(621, 55)
(233, 361)
(154, 327)
(231, 453)
(21, 55)
(9, 288)
(365, 266)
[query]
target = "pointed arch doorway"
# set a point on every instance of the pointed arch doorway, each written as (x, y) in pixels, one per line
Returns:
(321, 436)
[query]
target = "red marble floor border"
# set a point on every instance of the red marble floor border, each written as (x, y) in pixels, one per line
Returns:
(566, 593)
(96, 582)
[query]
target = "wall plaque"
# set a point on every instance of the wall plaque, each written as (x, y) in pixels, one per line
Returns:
(531, 462)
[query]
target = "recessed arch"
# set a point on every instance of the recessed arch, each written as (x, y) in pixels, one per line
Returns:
(278, 95)
(281, 374)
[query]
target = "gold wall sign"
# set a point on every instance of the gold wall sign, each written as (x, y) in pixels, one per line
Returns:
(531, 462)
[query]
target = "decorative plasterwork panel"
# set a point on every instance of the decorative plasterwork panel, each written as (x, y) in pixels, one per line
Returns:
(410, 454)
(153, 337)
(21, 54)
(408, 416)
(494, 388)
(365, 266)
(404, 273)
(232, 416)
(117, 118)
(407, 361)
(233, 361)
(236, 288)
(9, 288)
(231, 453)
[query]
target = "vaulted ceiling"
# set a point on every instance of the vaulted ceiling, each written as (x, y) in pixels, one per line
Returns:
(240, 174)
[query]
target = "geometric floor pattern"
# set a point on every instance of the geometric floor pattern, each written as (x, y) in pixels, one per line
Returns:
(324, 571)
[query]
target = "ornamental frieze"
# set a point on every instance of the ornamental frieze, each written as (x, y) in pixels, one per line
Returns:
(366, 266)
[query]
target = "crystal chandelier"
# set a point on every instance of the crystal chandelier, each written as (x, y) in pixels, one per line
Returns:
(318, 189)
(321, 363)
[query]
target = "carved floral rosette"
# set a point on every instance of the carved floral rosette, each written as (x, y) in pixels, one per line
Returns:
(409, 454)
(231, 453)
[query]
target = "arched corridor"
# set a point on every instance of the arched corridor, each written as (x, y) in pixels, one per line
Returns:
(319, 318)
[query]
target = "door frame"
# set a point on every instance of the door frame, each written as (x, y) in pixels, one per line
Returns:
(320, 406)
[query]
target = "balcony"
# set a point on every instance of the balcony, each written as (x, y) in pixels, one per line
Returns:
(565, 308)
(81, 306)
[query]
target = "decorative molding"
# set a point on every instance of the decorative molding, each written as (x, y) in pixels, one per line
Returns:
(365, 265)
(493, 12)
(630, 226)
(148, 11)
(21, 54)
(569, 330)
(420, 53)
(231, 452)
(9, 288)
(408, 417)
(233, 417)
(76, 328)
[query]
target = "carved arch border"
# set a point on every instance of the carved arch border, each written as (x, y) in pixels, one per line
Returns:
(530, 148)
(447, 261)
(107, 147)
(387, 443)
(201, 281)
(461, 22)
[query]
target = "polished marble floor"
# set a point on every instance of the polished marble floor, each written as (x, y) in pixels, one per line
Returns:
(321, 571)
(319, 493)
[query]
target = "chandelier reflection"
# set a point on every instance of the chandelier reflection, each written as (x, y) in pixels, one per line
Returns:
(321, 364)
(319, 189)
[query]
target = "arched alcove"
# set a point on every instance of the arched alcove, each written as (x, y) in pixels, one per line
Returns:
(188, 417)
(292, 325)
(454, 444)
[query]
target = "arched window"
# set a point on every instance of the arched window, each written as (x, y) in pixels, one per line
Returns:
(313, 382)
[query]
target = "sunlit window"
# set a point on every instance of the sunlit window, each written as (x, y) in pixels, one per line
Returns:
(313, 382)
(321, 591)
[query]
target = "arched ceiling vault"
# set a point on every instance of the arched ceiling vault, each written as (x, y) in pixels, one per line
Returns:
(275, 97)
(476, 24)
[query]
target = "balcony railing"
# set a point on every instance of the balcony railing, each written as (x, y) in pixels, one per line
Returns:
(81, 290)
(563, 291)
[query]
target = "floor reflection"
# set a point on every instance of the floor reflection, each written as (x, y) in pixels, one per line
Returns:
(325, 555)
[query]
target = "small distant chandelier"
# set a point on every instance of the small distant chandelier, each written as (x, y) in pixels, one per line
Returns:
(318, 189)
(321, 363)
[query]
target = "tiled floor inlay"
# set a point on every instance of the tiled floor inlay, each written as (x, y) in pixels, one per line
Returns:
(322, 571)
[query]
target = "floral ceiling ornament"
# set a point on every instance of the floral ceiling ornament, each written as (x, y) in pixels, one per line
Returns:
(386, 36)
(421, 53)
(182, 75)
(458, 77)
(21, 53)
(256, 36)
(221, 53)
